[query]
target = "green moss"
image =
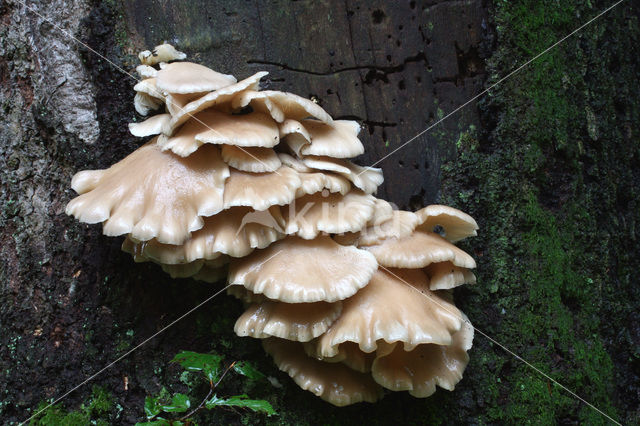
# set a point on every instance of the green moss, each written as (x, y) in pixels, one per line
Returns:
(543, 182)
(95, 411)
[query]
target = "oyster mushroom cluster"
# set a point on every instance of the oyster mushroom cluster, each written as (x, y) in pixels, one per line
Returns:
(349, 295)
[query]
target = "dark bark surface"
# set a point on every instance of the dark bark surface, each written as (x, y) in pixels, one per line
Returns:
(72, 302)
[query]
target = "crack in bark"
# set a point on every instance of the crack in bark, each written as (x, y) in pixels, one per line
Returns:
(385, 70)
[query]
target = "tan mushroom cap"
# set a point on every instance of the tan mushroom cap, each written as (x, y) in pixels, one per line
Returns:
(253, 129)
(334, 383)
(349, 354)
(316, 182)
(219, 99)
(152, 194)
(261, 190)
(419, 250)
(188, 77)
(281, 105)
(149, 127)
(235, 232)
(334, 213)
(214, 127)
(251, 159)
(366, 178)
(294, 270)
(161, 53)
(391, 308)
(337, 140)
(176, 102)
(294, 134)
(295, 163)
(446, 275)
(400, 225)
(300, 322)
(146, 71)
(457, 225)
(421, 369)
(144, 103)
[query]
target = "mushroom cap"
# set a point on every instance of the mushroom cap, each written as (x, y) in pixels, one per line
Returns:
(334, 383)
(281, 105)
(366, 178)
(177, 101)
(316, 182)
(214, 127)
(457, 225)
(300, 322)
(146, 71)
(152, 194)
(188, 77)
(149, 127)
(390, 308)
(294, 134)
(419, 250)
(294, 163)
(235, 232)
(421, 369)
(161, 53)
(218, 99)
(294, 270)
(261, 190)
(400, 225)
(251, 159)
(446, 275)
(349, 354)
(144, 103)
(334, 213)
(337, 140)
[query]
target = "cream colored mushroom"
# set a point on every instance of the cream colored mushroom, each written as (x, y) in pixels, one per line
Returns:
(217, 99)
(149, 127)
(457, 225)
(349, 354)
(188, 77)
(261, 190)
(334, 383)
(251, 159)
(300, 322)
(152, 194)
(281, 105)
(421, 369)
(419, 250)
(294, 270)
(446, 275)
(370, 316)
(366, 178)
(312, 214)
(161, 53)
(235, 232)
(214, 127)
(317, 182)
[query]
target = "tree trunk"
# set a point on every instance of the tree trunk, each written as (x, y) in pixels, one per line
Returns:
(547, 164)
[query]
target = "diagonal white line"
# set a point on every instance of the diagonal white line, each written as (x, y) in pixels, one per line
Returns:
(495, 84)
(156, 91)
(509, 351)
(172, 323)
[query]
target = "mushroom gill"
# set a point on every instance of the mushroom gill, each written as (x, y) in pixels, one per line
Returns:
(258, 186)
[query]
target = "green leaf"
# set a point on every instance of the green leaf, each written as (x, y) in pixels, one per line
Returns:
(160, 422)
(243, 401)
(151, 407)
(179, 404)
(209, 364)
(248, 370)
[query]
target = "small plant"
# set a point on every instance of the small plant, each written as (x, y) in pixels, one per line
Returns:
(158, 409)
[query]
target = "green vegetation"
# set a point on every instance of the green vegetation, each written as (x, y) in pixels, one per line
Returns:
(546, 182)
(95, 412)
(159, 409)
